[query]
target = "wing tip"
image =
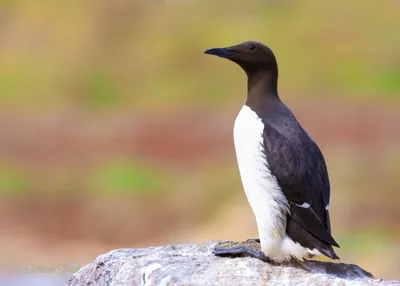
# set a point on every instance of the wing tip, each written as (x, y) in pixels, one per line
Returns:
(329, 253)
(307, 218)
(335, 243)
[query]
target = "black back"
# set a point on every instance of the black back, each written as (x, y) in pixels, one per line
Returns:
(299, 166)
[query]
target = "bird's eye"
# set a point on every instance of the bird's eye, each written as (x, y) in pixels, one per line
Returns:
(252, 48)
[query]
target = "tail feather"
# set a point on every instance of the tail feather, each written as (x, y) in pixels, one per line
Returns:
(300, 235)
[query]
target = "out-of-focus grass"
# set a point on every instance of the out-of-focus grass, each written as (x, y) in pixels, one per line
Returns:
(127, 177)
(101, 90)
(115, 177)
(364, 241)
(152, 52)
(14, 180)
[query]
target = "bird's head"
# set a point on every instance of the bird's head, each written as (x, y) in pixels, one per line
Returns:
(251, 56)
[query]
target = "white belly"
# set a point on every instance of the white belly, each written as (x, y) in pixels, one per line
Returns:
(266, 198)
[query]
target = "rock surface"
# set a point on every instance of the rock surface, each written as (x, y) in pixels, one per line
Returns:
(194, 264)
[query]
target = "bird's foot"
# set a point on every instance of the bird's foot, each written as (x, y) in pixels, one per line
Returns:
(249, 247)
(239, 251)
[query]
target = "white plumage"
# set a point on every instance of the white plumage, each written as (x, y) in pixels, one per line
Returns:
(263, 192)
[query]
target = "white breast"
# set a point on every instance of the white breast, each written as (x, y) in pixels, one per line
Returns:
(266, 198)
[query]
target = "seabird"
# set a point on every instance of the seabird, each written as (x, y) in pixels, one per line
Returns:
(283, 171)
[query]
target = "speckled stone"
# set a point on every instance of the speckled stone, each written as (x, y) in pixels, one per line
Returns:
(194, 264)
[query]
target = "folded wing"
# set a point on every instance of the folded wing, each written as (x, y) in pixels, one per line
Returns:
(300, 169)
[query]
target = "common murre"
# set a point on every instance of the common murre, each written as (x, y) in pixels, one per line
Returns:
(283, 171)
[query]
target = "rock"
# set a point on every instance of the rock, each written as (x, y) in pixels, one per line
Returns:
(194, 264)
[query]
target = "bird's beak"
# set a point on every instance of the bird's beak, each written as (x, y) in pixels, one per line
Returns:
(221, 52)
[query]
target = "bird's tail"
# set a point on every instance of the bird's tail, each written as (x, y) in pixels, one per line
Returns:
(298, 234)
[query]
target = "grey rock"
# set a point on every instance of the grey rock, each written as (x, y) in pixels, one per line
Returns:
(194, 264)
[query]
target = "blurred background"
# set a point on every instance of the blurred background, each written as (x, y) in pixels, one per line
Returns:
(116, 129)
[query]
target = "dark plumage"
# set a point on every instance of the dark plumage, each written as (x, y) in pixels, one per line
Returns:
(299, 166)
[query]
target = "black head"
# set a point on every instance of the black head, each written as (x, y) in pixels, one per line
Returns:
(251, 56)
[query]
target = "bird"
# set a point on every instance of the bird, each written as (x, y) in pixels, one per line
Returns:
(282, 169)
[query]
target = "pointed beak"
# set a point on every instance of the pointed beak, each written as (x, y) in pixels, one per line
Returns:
(221, 52)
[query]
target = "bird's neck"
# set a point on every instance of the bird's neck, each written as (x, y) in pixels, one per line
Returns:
(262, 85)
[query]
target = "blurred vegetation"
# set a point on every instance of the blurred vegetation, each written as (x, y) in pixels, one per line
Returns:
(115, 128)
(101, 54)
(125, 177)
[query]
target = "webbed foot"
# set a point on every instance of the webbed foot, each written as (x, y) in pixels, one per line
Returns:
(239, 251)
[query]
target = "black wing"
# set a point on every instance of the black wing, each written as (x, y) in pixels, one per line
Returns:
(298, 164)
